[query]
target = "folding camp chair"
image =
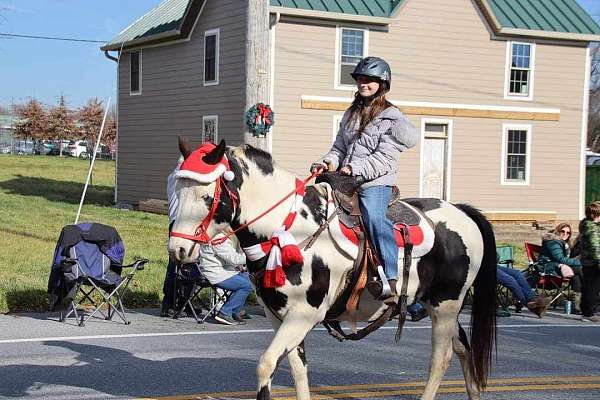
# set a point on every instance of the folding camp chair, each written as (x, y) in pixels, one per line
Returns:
(88, 261)
(189, 282)
(504, 256)
(542, 282)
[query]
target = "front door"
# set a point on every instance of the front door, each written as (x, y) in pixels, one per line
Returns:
(434, 179)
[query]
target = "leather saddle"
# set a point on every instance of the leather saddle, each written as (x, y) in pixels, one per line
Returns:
(345, 192)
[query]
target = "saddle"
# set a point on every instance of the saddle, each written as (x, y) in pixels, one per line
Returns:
(406, 220)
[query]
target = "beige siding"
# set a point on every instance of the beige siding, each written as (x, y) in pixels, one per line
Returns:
(174, 99)
(442, 52)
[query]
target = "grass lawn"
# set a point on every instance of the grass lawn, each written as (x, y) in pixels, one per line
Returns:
(40, 194)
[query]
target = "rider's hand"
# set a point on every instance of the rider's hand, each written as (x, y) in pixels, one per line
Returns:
(347, 170)
(318, 168)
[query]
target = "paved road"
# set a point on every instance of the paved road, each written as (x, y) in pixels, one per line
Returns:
(553, 358)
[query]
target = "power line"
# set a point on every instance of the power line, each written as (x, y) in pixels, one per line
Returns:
(53, 38)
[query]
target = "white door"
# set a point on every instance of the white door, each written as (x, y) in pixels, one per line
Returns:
(435, 161)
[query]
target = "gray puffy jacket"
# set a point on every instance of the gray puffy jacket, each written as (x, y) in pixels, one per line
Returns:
(374, 154)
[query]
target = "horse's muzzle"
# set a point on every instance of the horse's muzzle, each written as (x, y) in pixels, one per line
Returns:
(183, 250)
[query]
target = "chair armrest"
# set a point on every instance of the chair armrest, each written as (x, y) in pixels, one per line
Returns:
(137, 264)
(67, 263)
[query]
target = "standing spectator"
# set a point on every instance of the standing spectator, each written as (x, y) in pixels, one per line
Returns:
(169, 282)
(589, 229)
(221, 265)
(554, 259)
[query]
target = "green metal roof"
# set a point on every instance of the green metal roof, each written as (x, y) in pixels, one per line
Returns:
(544, 15)
(165, 17)
(370, 8)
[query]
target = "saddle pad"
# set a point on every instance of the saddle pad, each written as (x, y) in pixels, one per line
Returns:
(421, 234)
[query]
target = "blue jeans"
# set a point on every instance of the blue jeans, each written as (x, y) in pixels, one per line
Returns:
(374, 202)
(240, 287)
(515, 281)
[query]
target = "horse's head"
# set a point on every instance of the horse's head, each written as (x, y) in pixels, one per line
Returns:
(205, 204)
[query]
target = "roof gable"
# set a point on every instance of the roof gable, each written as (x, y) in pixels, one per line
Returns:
(165, 21)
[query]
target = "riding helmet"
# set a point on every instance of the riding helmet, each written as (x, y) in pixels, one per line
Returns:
(374, 67)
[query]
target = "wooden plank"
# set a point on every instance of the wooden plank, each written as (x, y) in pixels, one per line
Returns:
(442, 111)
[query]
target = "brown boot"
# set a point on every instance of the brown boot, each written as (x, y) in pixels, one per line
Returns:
(539, 305)
(376, 289)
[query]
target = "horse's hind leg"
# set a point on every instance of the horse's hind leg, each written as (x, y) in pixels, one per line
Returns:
(460, 344)
(287, 340)
(444, 328)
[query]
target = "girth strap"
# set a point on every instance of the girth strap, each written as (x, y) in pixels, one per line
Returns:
(402, 306)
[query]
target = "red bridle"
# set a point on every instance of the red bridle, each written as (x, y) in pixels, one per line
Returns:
(201, 235)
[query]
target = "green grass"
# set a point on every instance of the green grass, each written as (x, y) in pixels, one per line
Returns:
(38, 196)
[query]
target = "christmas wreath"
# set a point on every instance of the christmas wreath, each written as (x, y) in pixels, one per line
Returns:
(259, 119)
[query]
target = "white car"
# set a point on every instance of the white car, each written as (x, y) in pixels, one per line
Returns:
(78, 148)
(592, 158)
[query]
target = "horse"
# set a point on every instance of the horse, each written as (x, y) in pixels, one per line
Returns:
(463, 255)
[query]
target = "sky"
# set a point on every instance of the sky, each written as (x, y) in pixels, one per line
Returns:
(46, 69)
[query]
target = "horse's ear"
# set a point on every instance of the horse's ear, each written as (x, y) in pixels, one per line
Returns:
(216, 154)
(184, 146)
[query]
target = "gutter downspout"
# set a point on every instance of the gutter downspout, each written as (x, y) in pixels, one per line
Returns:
(118, 61)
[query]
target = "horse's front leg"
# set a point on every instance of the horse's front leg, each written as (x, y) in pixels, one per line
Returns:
(297, 361)
(287, 342)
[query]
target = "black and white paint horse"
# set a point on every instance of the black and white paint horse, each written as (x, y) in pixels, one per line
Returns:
(463, 255)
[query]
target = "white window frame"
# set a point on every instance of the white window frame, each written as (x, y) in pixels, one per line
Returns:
(449, 136)
(337, 120)
(213, 32)
(216, 119)
(508, 66)
(138, 92)
(521, 127)
(338, 54)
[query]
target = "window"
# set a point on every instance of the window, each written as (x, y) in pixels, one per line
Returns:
(337, 121)
(352, 45)
(210, 128)
(519, 72)
(516, 148)
(211, 57)
(135, 72)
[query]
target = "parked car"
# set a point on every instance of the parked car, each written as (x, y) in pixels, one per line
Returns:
(592, 158)
(24, 147)
(56, 149)
(43, 147)
(78, 148)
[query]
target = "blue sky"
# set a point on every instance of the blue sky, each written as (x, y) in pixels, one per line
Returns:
(46, 69)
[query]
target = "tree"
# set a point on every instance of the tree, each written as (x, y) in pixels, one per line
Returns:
(61, 124)
(32, 121)
(110, 129)
(90, 121)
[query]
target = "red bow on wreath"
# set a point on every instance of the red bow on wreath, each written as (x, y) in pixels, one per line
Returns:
(264, 115)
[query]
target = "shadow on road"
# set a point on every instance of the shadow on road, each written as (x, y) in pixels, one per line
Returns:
(119, 373)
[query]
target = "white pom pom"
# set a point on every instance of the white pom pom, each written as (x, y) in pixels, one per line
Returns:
(228, 175)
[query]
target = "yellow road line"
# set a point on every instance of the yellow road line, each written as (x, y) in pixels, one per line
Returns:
(574, 382)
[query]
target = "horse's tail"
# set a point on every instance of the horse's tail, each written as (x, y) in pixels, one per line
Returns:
(483, 315)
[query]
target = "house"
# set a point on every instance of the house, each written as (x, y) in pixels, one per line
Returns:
(498, 89)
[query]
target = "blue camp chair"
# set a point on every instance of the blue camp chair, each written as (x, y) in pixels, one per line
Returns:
(505, 258)
(88, 259)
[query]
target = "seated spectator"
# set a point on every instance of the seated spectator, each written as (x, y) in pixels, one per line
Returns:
(221, 265)
(589, 232)
(554, 259)
(514, 281)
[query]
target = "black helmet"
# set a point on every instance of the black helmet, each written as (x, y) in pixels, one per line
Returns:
(374, 67)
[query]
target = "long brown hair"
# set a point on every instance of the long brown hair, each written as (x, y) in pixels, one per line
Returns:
(366, 109)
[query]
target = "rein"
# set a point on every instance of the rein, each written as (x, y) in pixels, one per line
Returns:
(201, 235)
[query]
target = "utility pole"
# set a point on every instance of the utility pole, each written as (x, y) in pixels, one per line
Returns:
(257, 63)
